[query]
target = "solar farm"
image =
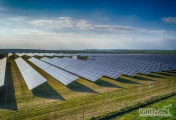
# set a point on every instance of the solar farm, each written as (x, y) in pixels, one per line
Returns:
(60, 86)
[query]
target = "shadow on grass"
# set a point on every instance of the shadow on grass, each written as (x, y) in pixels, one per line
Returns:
(155, 76)
(25, 57)
(8, 99)
(165, 74)
(173, 72)
(106, 84)
(46, 91)
(142, 78)
(2, 56)
(38, 57)
(2, 99)
(76, 86)
(11, 58)
(122, 80)
(48, 56)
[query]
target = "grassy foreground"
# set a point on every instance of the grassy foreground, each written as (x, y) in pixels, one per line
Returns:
(135, 114)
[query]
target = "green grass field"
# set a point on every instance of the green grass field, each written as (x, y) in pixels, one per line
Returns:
(81, 99)
(135, 114)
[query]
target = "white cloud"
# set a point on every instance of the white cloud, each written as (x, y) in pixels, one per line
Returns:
(116, 28)
(84, 24)
(169, 19)
(68, 33)
(38, 39)
(62, 22)
(81, 24)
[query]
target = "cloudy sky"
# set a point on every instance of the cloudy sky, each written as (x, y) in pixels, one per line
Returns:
(91, 24)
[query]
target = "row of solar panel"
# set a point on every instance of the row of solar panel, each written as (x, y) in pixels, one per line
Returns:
(34, 79)
(70, 65)
(94, 73)
(53, 54)
(30, 75)
(93, 56)
(2, 71)
(113, 67)
(152, 64)
(117, 61)
(38, 54)
(60, 75)
(10, 54)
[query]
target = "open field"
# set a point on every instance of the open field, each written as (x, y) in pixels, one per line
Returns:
(135, 114)
(81, 99)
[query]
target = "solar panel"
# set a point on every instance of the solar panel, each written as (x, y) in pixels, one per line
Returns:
(30, 75)
(10, 54)
(59, 74)
(110, 65)
(29, 54)
(2, 71)
(114, 65)
(45, 59)
(72, 66)
(20, 54)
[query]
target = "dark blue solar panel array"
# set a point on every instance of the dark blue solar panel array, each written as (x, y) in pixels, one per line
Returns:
(78, 67)
(114, 65)
(60, 75)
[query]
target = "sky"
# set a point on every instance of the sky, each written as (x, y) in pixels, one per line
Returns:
(88, 24)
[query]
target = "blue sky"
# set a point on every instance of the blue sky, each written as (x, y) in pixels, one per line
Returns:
(91, 24)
